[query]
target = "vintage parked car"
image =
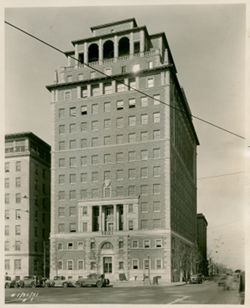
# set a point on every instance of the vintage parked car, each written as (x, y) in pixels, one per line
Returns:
(11, 283)
(60, 281)
(197, 278)
(32, 281)
(222, 281)
(93, 280)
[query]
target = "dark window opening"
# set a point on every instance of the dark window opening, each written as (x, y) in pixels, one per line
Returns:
(136, 47)
(108, 50)
(93, 53)
(81, 58)
(123, 47)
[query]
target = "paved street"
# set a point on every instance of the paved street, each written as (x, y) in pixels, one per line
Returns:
(206, 293)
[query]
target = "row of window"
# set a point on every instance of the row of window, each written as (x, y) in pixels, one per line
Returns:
(107, 107)
(119, 191)
(107, 140)
(17, 166)
(108, 158)
(95, 125)
(96, 176)
(17, 264)
(105, 88)
(17, 182)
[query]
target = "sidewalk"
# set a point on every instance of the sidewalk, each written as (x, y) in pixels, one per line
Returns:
(141, 283)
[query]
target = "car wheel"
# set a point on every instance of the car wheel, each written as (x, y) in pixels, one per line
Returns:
(99, 284)
(65, 285)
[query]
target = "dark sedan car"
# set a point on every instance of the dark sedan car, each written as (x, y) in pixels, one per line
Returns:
(93, 280)
(32, 281)
(11, 283)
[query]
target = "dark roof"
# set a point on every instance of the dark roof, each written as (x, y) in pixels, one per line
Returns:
(114, 23)
(29, 135)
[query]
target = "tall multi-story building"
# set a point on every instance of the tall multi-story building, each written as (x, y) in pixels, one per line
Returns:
(27, 205)
(123, 162)
(202, 243)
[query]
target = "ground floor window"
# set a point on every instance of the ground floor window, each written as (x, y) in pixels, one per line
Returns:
(107, 264)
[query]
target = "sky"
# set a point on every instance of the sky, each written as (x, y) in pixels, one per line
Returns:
(208, 46)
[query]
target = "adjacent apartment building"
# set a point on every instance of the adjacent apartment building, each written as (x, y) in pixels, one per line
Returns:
(123, 159)
(27, 205)
(202, 243)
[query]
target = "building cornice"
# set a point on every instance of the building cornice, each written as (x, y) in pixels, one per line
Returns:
(115, 23)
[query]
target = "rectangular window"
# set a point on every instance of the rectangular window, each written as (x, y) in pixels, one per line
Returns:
(119, 157)
(84, 227)
(132, 120)
(150, 64)
(80, 264)
(17, 245)
(156, 99)
(84, 143)
(94, 109)
(158, 264)
(144, 172)
(7, 264)
(72, 127)
(158, 243)
(61, 195)
(107, 123)
(131, 156)
(72, 111)
(156, 171)
(61, 162)
(131, 173)
(144, 154)
(108, 88)
(156, 189)
(144, 189)
(144, 101)
(7, 214)
(144, 119)
(72, 178)
(18, 198)
(84, 91)
(150, 82)
(95, 90)
(131, 103)
(119, 174)
(84, 161)
(135, 244)
(94, 193)
(144, 136)
(156, 223)
(119, 191)
(146, 243)
(70, 265)
(61, 129)
(146, 264)
(156, 206)
(121, 265)
(121, 244)
(67, 95)
(84, 110)
(135, 264)
(107, 158)
(94, 125)
(107, 140)
(131, 137)
(119, 105)
(119, 139)
(131, 190)
(84, 211)
(92, 265)
(156, 153)
(94, 176)
(61, 179)
(6, 182)
(156, 134)
(18, 166)
(107, 175)
(156, 117)
(72, 194)
(94, 141)
(119, 122)
(80, 245)
(84, 126)
(144, 207)
(72, 162)
(61, 211)
(61, 228)
(123, 69)
(130, 208)
(18, 214)
(7, 167)
(61, 113)
(61, 145)
(72, 227)
(83, 177)
(7, 198)
(7, 230)
(107, 107)
(130, 225)
(18, 230)
(72, 144)
(17, 264)
(83, 194)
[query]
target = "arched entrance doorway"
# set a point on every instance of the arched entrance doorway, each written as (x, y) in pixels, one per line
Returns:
(107, 260)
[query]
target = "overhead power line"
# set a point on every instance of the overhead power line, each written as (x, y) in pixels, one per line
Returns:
(219, 175)
(113, 78)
